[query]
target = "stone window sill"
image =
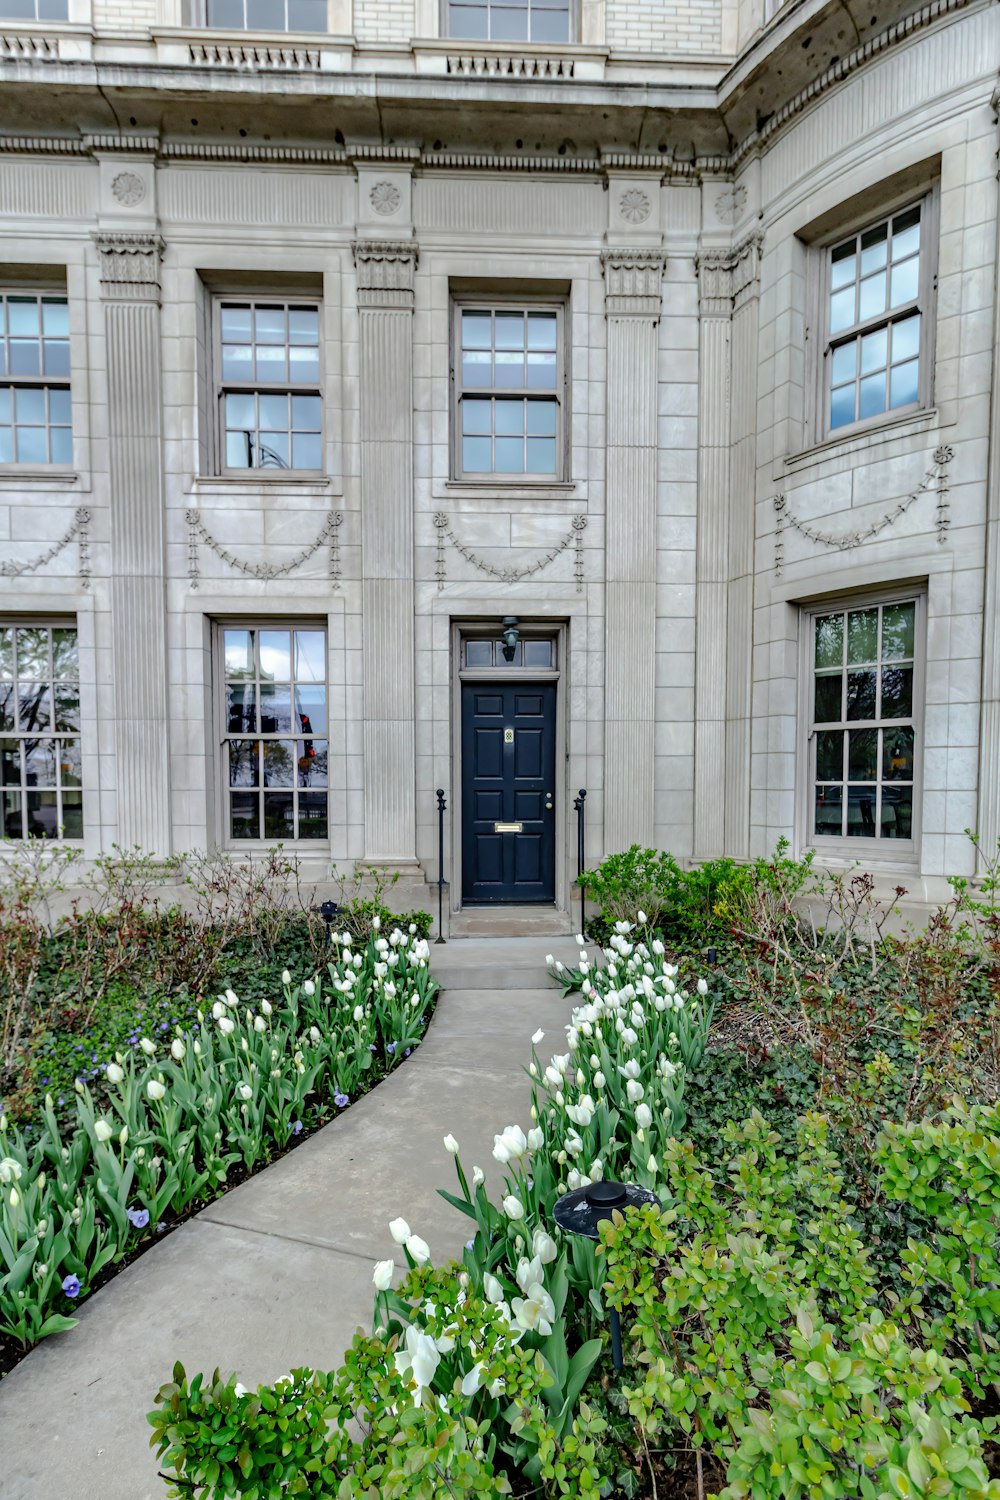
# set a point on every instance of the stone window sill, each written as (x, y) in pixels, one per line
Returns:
(260, 483)
(14, 477)
(499, 491)
(862, 438)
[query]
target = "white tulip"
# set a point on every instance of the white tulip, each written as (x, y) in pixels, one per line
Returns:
(536, 1312)
(471, 1380)
(244, 1090)
(538, 1037)
(400, 1231)
(232, 998)
(529, 1273)
(123, 1136)
(218, 1010)
(308, 987)
(383, 1273)
(115, 1074)
(478, 1177)
(15, 1197)
(599, 1080)
(102, 1130)
(419, 1249)
(419, 1358)
(651, 1165)
(492, 1289)
(286, 978)
(451, 1145)
(147, 1046)
(597, 1171)
(643, 1116)
(266, 1007)
(259, 1024)
(226, 1026)
(635, 1090)
(641, 917)
(177, 1049)
(513, 1207)
(155, 1090)
(543, 1247)
(703, 987)
(536, 1138)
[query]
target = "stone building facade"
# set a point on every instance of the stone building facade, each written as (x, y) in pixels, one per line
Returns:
(663, 330)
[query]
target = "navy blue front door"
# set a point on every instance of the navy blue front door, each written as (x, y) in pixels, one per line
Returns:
(508, 792)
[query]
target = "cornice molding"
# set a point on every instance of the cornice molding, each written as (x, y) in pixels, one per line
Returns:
(632, 281)
(130, 265)
(385, 272)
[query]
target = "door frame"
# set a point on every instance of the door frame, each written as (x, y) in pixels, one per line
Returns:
(559, 631)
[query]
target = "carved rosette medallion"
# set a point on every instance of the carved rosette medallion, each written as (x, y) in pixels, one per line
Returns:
(634, 206)
(385, 198)
(129, 189)
(729, 204)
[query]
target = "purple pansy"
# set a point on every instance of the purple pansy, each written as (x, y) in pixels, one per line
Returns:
(296, 1127)
(341, 1101)
(138, 1217)
(71, 1286)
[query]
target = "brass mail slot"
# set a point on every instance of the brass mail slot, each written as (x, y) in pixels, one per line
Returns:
(508, 827)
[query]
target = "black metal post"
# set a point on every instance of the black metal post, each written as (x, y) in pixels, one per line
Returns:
(616, 1339)
(442, 805)
(581, 852)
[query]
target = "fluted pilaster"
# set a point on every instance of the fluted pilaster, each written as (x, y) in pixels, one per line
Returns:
(130, 286)
(633, 279)
(385, 272)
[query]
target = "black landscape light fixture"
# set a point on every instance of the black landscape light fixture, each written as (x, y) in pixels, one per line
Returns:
(511, 636)
(329, 911)
(583, 1212)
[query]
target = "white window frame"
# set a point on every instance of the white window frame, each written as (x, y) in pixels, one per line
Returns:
(891, 853)
(573, 27)
(925, 303)
(199, 19)
(502, 301)
(43, 382)
(50, 623)
(260, 622)
(221, 387)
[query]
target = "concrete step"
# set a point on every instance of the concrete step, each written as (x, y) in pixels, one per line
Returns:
(499, 963)
(509, 922)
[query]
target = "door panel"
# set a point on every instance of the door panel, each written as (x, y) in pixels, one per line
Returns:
(509, 763)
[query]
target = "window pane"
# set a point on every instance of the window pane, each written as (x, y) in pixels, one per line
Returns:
(43, 815)
(874, 351)
(10, 763)
(477, 330)
(32, 447)
(272, 412)
(226, 14)
(897, 631)
(509, 455)
(842, 406)
(905, 280)
(508, 24)
(236, 323)
(6, 445)
(549, 26)
(541, 330)
(244, 820)
(303, 365)
(843, 266)
(541, 456)
(830, 755)
(279, 815)
(240, 450)
(906, 234)
(310, 656)
(897, 754)
(55, 357)
(32, 652)
(827, 704)
(24, 357)
(307, 450)
(241, 708)
(509, 416)
(275, 655)
(70, 764)
(843, 366)
(862, 635)
(310, 708)
(542, 372)
(244, 762)
(34, 705)
(861, 803)
(541, 418)
(862, 755)
(29, 404)
(67, 704)
(22, 317)
(274, 451)
(241, 412)
(60, 405)
(275, 707)
(279, 762)
(238, 648)
(307, 413)
(508, 369)
(861, 695)
(307, 15)
(842, 309)
(874, 248)
(479, 653)
(510, 330)
(872, 300)
(237, 363)
(906, 338)
(468, 22)
(897, 812)
(829, 812)
(871, 398)
(65, 655)
(477, 416)
(477, 368)
(303, 322)
(830, 641)
(311, 767)
(10, 806)
(312, 815)
(271, 363)
(40, 763)
(897, 692)
(477, 455)
(72, 815)
(904, 388)
(538, 653)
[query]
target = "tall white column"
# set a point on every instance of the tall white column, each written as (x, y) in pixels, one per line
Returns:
(989, 747)
(742, 490)
(130, 287)
(385, 273)
(714, 384)
(633, 296)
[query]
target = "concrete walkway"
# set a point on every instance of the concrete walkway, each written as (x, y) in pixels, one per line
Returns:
(278, 1272)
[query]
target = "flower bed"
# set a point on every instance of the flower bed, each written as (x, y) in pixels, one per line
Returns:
(220, 1096)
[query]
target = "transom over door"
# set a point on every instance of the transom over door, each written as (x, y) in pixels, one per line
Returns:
(508, 792)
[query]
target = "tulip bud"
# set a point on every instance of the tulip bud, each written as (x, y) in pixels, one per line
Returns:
(147, 1046)
(102, 1130)
(400, 1231)
(382, 1275)
(309, 987)
(177, 1049)
(15, 1197)
(478, 1177)
(155, 1090)
(451, 1145)
(115, 1074)
(286, 978)
(123, 1136)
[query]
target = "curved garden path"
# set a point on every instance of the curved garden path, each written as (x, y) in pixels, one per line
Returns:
(278, 1272)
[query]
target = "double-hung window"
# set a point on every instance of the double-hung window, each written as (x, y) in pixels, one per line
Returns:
(41, 776)
(878, 291)
(275, 731)
(863, 740)
(266, 15)
(508, 417)
(36, 426)
(510, 20)
(268, 385)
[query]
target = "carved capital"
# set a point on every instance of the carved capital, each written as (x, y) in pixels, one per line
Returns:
(385, 270)
(715, 283)
(130, 266)
(632, 280)
(746, 268)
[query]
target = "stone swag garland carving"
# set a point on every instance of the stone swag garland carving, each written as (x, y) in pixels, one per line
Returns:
(935, 479)
(77, 532)
(329, 535)
(509, 573)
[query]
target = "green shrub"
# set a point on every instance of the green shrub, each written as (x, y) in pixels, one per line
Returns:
(684, 905)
